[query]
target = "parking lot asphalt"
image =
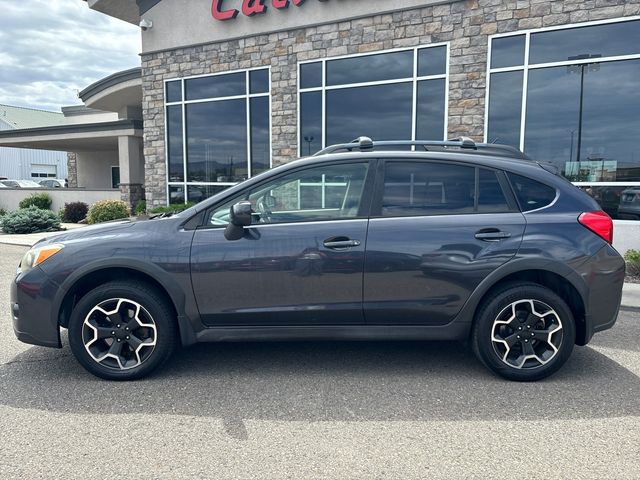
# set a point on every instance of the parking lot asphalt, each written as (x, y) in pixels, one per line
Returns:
(319, 410)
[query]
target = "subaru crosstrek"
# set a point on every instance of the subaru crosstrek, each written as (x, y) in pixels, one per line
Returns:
(363, 241)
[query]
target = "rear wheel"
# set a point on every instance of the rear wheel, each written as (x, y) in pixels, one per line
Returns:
(122, 330)
(524, 332)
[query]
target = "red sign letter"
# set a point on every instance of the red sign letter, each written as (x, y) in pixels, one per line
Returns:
(219, 14)
(297, 3)
(280, 4)
(253, 7)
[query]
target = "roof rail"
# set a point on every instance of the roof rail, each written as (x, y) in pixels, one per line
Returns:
(365, 144)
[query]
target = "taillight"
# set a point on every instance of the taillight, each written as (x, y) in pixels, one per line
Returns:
(599, 223)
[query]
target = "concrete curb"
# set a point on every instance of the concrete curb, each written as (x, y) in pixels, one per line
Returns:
(631, 295)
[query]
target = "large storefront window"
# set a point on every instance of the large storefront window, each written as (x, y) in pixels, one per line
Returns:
(218, 132)
(570, 96)
(394, 95)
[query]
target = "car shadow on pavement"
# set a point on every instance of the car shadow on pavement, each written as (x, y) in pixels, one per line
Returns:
(322, 381)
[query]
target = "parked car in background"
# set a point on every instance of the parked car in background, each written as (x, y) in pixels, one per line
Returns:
(54, 183)
(629, 207)
(20, 184)
(366, 240)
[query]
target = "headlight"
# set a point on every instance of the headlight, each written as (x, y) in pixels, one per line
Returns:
(36, 256)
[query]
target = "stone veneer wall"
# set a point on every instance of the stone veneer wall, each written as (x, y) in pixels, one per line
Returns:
(72, 169)
(465, 24)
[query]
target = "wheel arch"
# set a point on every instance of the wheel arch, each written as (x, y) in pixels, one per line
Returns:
(91, 276)
(559, 278)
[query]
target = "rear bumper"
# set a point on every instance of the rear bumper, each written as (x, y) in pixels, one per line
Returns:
(31, 309)
(603, 276)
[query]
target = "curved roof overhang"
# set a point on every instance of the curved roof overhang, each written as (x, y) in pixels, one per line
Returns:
(127, 10)
(115, 92)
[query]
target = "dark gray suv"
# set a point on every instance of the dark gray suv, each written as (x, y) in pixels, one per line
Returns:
(368, 241)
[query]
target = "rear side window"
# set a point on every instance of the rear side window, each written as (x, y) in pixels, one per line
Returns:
(427, 188)
(419, 188)
(531, 195)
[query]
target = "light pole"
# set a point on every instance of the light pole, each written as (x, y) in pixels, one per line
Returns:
(309, 139)
(580, 68)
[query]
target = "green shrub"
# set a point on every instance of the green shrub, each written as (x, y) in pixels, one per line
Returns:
(38, 200)
(75, 212)
(179, 207)
(141, 207)
(30, 220)
(107, 210)
(632, 258)
(3, 212)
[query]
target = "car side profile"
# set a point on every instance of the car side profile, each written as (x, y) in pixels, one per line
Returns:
(363, 241)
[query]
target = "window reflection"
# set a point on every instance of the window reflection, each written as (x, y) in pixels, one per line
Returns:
(430, 109)
(370, 68)
(176, 152)
(260, 151)
(259, 81)
(594, 143)
(216, 86)
(611, 39)
(505, 108)
(432, 61)
(217, 141)
(311, 75)
(174, 91)
(382, 112)
(310, 122)
(507, 51)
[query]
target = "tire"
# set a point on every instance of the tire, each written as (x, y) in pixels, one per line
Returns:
(519, 313)
(111, 343)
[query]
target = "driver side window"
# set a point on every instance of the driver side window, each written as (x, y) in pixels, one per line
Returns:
(324, 192)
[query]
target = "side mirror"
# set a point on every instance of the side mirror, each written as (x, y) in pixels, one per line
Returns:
(239, 217)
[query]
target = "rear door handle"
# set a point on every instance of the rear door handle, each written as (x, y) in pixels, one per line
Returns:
(338, 243)
(491, 234)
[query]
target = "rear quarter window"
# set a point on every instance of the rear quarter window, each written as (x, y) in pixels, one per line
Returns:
(531, 194)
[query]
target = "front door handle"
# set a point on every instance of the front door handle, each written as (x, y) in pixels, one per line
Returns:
(339, 243)
(491, 234)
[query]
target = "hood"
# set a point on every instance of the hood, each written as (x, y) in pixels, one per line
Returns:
(90, 231)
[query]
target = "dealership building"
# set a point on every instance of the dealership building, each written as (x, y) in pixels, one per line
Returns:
(233, 87)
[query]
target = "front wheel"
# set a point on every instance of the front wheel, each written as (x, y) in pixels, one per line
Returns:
(524, 332)
(122, 330)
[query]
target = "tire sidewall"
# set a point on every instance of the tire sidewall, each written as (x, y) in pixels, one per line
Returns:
(482, 332)
(155, 305)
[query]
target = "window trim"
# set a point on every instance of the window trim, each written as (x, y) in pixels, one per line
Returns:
(526, 68)
(414, 79)
(247, 96)
(376, 207)
(365, 201)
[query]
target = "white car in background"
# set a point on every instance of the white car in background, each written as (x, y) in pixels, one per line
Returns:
(20, 184)
(53, 183)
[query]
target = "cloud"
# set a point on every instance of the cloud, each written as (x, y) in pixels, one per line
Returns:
(49, 51)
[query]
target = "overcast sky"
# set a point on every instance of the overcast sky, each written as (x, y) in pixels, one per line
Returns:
(51, 49)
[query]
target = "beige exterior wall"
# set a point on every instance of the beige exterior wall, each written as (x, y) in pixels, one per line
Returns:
(94, 169)
(10, 198)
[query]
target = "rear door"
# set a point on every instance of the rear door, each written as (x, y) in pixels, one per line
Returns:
(436, 231)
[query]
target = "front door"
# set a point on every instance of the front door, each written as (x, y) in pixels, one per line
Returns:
(437, 231)
(300, 263)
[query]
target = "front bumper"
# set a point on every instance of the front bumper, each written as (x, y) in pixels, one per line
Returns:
(32, 310)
